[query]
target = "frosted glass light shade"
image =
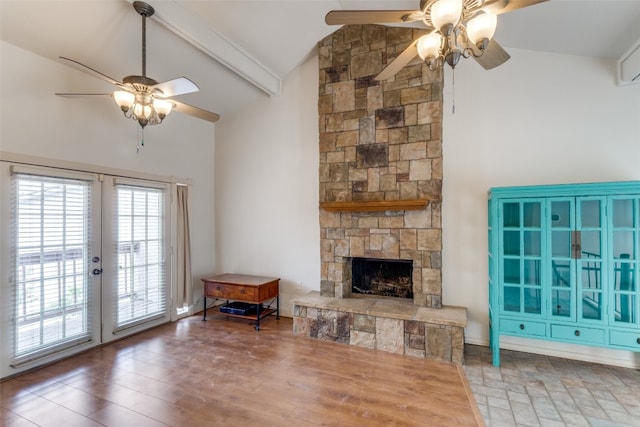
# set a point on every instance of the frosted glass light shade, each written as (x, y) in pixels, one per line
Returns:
(142, 111)
(429, 45)
(445, 12)
(482, 26)
(162, 107)
(124, 99)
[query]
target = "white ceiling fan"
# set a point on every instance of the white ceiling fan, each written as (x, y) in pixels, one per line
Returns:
(458, 28)
(142, 98)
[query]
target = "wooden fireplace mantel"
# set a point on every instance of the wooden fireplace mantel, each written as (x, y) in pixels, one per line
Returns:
(377, 205)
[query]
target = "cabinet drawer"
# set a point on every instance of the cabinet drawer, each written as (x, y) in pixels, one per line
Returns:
(577, 334)
(523, 327)
(227, 291)
(626, 339)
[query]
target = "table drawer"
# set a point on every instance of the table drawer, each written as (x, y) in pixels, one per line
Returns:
(227, 291)
(578, 334)
(523, 327)
(626, 339)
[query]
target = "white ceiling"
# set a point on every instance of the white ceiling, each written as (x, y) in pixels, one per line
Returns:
(268, 37)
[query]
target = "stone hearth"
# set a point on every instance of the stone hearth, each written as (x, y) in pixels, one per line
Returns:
(390, 325)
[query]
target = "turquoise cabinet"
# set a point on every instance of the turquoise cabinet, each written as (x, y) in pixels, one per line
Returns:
(564, 264)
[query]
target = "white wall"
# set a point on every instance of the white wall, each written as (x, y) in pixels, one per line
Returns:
(538, 119)
(35, 122)
(266, 168)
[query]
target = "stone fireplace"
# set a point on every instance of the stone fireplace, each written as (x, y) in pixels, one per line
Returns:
(380, 197)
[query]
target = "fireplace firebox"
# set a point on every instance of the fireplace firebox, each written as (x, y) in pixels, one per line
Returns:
(382, 277)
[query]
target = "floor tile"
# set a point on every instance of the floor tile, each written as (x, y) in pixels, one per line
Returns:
(550, 391)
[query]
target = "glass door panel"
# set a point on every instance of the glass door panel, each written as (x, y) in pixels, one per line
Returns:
(53, 295)
(589, 257)
(562, 222)
(624, 240)
(522, 256)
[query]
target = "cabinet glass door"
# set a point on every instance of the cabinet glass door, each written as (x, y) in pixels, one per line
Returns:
(588, 253)
(624, 240)
(521, 256)
(562, 224)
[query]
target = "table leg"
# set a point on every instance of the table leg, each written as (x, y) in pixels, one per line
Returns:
(257, 317)
(278, 307)
(204, 309)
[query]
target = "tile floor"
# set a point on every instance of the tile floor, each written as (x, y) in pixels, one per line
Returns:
(535, 390)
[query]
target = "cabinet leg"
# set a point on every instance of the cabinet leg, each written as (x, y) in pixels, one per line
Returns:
(204, 309)
(278, 307)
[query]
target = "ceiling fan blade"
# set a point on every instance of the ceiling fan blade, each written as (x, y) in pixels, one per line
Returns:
(174, 87)
(493, 56)
(503, 6)
(81, 95)
(344, 17)
(80, 66)
(401, 60)
(195, 111)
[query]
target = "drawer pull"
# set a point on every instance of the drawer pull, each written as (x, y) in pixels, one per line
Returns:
(218, 288)
(521, 326)
(577, 333)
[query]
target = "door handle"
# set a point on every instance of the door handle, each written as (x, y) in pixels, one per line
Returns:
(576, 245)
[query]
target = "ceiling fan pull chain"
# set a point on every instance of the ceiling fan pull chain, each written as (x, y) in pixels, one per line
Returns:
(453, 91)
(139, 140)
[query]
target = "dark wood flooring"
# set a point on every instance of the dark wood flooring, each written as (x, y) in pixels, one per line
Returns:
(223, 373)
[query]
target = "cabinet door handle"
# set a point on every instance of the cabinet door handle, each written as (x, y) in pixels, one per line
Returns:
(577, 333)
(522, 327)
(638, 340)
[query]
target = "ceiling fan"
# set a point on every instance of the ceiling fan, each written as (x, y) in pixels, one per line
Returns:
(142, 98)
(458, 28)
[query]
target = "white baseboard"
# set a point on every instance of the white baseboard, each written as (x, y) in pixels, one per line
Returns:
(606, 356)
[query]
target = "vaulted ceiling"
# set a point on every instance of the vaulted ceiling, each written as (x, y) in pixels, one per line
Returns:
(238, 50)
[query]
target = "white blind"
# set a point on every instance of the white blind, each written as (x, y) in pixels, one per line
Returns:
(140, 252)
(50, 293)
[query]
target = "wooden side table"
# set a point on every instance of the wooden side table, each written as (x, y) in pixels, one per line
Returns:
(246, 288)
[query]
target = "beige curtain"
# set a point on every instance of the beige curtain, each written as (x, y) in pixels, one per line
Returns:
(184, 293)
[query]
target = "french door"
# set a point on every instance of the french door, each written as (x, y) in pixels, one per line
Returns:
(87, 261)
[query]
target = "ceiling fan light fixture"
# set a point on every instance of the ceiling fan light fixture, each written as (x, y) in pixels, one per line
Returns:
(446, 12)
(162, 107)
(481, 27)
(124, 99)
(429, 46)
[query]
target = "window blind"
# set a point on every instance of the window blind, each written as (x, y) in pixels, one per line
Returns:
(51, 296)
(140, 252)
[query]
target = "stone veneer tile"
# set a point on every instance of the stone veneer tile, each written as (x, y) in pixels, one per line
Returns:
(438, 343)
(420, 170)
(390, 335)
(413, 327)
(417, 219)
(344, 139)
(408, 239)
(363, 339)
(301, 326)
(364, 323)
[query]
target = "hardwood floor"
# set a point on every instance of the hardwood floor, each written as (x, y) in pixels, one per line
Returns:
(223, 373)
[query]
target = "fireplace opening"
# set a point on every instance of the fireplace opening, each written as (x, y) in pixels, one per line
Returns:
(382, 277)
